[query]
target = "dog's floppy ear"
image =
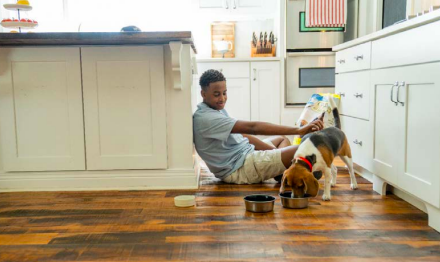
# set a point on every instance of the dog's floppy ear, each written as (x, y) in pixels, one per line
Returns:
(283, 183)
(312, 159)
(317, 174)
(311, 185)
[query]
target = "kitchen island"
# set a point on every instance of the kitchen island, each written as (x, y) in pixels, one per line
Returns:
(389, 83)
(87, 111)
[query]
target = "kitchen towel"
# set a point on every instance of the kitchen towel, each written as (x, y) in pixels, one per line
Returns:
(326, 13)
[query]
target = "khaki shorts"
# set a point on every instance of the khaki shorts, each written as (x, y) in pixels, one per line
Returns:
(258, 167)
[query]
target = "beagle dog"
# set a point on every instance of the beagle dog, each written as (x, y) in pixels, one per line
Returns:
(314, 157)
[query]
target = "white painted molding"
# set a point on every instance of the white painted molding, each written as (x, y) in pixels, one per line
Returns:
(379, 185)
(433, 217)
(194, 65)
(100, 180)
(176, 60)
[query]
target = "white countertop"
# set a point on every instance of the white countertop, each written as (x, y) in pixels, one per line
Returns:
(249, 59)
(391, 30)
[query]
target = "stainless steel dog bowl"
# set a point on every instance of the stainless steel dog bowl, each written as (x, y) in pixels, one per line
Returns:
(288, 202)
(259, 203)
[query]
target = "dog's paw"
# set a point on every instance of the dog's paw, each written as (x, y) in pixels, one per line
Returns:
(326, 197)
(354, 186)
(333, 183)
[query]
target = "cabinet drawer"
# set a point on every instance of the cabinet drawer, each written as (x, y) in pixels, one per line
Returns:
(354, 89)
(354, 59)
(419, 45)
(229, 69)
(360, 138)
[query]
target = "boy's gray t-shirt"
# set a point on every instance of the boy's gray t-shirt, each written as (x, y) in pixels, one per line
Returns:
(222, 151)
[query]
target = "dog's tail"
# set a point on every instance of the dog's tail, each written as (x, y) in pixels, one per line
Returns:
(337, 120)
(336, 117)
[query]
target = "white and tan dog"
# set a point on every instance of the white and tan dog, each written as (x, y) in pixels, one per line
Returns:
(314, 155)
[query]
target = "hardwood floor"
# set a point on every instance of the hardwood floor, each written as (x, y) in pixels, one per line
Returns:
(146, 226)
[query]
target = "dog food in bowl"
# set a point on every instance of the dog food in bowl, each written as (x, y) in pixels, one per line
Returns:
(259, 203)
(288, 202)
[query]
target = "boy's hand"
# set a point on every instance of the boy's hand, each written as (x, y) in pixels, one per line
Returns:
(312, 127)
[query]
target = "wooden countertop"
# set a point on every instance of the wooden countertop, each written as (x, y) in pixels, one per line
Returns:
(95, 38)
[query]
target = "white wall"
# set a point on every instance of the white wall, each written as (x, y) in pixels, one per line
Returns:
(417, 6)
(243, 36)
(106, 15)
(367, 16)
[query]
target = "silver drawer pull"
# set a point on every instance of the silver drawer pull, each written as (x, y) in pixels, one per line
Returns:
(359, 95)
(359, 57)
(357, 142)
(398, 88)
(342, 94)
(392, 91)
(342, 61)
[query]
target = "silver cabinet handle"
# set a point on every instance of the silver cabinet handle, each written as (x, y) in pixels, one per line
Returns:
(227, 4)
(342, 94)
(359, 57)
(398, 88)
(392, 89)
(255, 74)
(357, 142)
(342, 61)
(359, 95)
(235, 6)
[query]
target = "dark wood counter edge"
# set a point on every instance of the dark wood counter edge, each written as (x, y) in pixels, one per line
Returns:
(95, 38)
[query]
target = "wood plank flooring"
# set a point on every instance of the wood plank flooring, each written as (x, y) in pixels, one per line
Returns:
(146, 226)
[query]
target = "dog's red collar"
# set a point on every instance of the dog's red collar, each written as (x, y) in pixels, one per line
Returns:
(307, 162)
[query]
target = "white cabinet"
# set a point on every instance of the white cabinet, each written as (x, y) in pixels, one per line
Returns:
(354, 58)
(124, 104)
(354, 89)
(239, 102)
(235, 7)
(253, 89)
(407, 144)
(386, 125)
(41, 117)
(213, 3)
(265, 92)
(359, 137)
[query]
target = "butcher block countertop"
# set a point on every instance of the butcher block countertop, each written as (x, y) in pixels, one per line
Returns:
(95, 38)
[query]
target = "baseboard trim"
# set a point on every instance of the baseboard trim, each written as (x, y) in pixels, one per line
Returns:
(101, 180)
(394, 190)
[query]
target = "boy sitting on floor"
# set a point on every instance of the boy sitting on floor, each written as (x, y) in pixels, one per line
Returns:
(227, 145)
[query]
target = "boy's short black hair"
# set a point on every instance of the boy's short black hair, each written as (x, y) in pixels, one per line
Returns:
(210, 76)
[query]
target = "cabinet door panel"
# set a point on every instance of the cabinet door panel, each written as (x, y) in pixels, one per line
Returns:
(41, 109)
(265, 92)
(124, 102)
(359, 138)
(386, 124)
(239, 99)
(419, 172)
(355, 94)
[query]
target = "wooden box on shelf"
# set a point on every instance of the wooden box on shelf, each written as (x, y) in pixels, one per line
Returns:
(258, 51)
(223, 31)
